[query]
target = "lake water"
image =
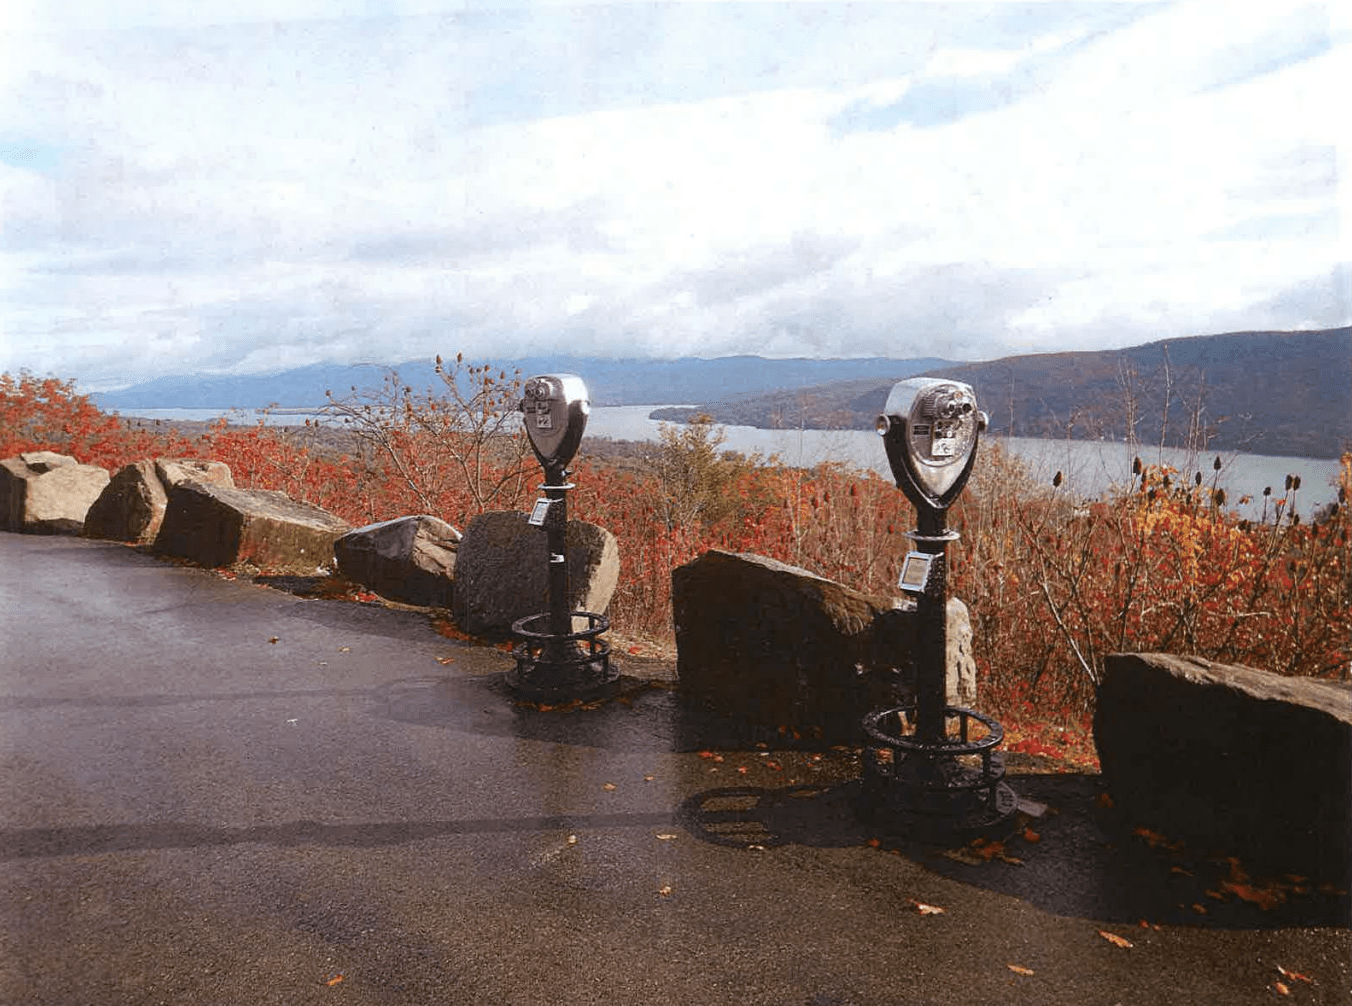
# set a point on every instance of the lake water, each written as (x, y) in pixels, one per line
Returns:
(1088, 467)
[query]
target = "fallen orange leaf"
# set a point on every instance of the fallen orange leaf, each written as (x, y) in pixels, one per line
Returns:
(1115, 940)
(925, 909)
(1026, 972)
(609, 787)
(1280, 989)
(1264, 897)
(334, 980)
(1295, 975)
(1029, 835)
(987, 850)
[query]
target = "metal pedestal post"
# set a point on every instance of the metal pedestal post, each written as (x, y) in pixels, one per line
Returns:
(931, 769)
(554, 661)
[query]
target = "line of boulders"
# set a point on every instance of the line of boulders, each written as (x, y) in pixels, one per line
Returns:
(191, 509)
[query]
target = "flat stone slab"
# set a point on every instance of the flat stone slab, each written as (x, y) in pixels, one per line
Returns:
(215, 525)
(1243, 761)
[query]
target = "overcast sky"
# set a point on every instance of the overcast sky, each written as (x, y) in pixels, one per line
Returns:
(251, 185)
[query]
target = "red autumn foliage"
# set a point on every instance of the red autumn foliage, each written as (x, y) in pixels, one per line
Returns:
(1053, 584)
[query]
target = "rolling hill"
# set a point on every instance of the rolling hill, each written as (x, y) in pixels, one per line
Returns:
(1280, 393)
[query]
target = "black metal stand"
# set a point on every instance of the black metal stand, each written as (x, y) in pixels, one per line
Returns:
(931, 769)
(553, 661)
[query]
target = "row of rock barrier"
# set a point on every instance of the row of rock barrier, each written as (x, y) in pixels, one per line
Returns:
(192, 510)
(1233, 759)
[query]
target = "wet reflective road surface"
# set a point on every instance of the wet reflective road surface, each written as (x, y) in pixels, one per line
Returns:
(215, 792)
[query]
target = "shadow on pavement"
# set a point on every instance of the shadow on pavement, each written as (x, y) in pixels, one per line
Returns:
(1079, 860)
(635, 715)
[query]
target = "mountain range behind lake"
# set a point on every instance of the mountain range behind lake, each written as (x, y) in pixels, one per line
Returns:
(1278, 393)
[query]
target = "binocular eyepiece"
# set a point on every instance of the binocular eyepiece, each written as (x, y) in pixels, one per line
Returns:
(556, 407)
(930, 428)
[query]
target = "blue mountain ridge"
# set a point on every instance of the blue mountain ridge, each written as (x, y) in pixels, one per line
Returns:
(609, 381)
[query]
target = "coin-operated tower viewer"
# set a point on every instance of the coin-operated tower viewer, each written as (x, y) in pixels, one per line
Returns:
(932, 768)
(554, 660)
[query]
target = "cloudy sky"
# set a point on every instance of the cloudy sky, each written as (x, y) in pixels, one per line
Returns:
(249, 185)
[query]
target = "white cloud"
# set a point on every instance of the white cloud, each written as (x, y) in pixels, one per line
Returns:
(263, 194)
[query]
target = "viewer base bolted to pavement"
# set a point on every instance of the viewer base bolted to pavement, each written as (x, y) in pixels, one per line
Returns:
(214, 792)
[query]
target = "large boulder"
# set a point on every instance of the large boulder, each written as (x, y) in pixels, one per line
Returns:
(132, 505)
(1230, 759)
(408, 559)
(769, 645)
(501, 571)
(42, 492)
(215, 525)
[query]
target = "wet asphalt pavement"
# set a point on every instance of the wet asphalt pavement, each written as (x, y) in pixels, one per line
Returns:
(216, 792)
